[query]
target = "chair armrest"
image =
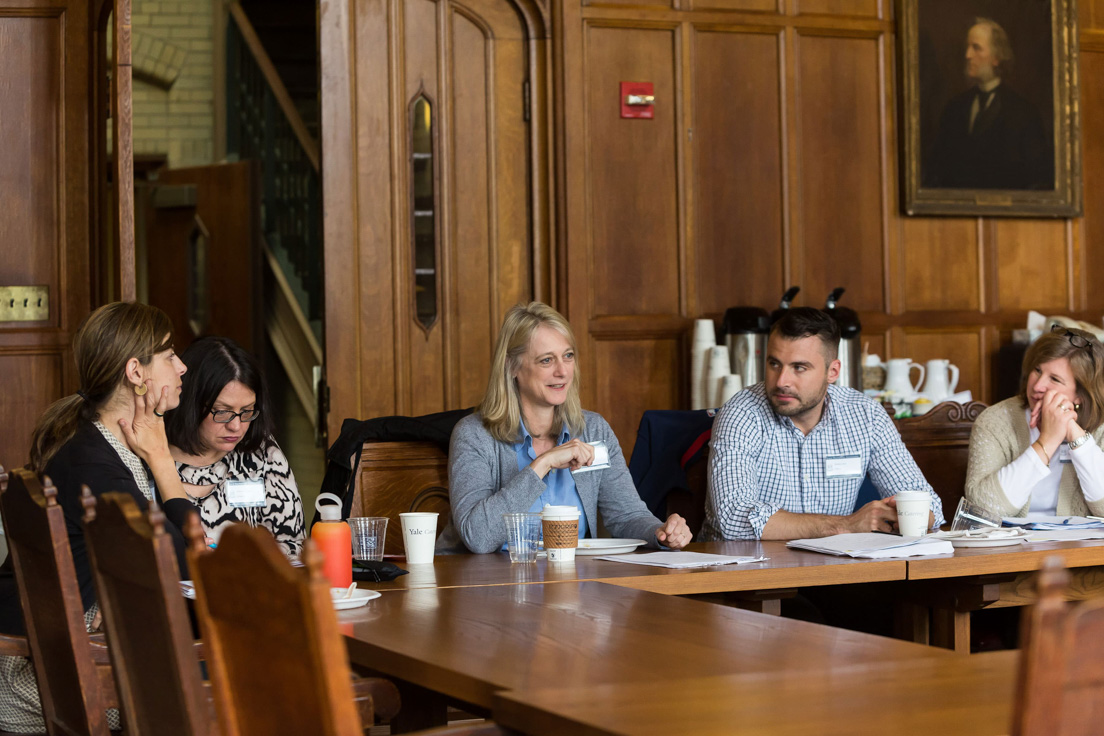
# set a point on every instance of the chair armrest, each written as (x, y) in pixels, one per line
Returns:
(379, 695)
(97, 644)
(14, 646)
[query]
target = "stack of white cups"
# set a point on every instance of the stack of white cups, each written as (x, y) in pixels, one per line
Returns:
(719, 367)
(705, 338)
(730, 386)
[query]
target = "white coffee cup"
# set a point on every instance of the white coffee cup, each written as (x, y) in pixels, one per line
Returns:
(912, 513)
(419, 536)
(557, 553)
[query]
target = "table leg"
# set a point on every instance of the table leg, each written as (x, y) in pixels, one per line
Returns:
(419, 708)
(950, 629)
(912, 622)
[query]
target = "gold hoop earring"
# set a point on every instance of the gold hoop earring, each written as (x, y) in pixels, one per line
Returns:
(141, 389)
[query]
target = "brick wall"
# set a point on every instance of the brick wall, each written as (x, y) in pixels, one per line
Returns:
(174, 80)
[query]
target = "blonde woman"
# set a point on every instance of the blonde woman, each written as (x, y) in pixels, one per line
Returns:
(1040, 452)
(516, 453)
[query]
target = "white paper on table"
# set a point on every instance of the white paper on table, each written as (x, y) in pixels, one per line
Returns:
(681, 560)
(1042, 521)
(874, 546)
(1064, 535)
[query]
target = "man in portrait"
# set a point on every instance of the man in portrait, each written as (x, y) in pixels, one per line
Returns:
(990, 137)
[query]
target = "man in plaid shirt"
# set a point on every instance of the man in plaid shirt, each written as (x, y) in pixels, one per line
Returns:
(788, 455)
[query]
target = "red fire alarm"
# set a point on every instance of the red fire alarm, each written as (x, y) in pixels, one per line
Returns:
(638, 100)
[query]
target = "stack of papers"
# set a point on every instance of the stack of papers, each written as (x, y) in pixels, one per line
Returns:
(874, 546)
(1041, 522)
(1064, 535)
(681, 560)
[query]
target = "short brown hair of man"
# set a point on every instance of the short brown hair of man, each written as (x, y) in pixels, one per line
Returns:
(1086, 359)
(800, 322)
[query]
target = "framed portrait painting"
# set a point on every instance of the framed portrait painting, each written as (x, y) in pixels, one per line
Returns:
(989, 108)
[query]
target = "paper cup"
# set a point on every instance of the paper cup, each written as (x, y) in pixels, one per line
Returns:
(560, 525)
(419, 535)
(912, 513)
(705, 338)
(719, 367)
(730, 386)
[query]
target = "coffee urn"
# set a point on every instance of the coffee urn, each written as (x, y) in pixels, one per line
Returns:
(784, 305)
(849, 346)
(745, 334)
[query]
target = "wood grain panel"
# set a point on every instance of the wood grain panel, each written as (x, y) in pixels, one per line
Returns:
(632, 177)
(863, 8)
(1092, 137)
(1090, 15)
(941, 267)
(473, 242)
(632, 376)
(840, 169)
(39, 382)
(964, 348)
(754, 6)
(1032, 264)
(635, 3)
(31, 94)
(738, 169)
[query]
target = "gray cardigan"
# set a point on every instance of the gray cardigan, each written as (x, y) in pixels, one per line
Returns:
(1000, 435)
(485, 483)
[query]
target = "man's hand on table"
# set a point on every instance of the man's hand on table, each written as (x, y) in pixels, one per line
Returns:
(674, 534)
(876, 516)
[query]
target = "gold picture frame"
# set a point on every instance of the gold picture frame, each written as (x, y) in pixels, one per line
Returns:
(993, 130)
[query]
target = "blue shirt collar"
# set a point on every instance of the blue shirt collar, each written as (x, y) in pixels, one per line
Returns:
(527, 439)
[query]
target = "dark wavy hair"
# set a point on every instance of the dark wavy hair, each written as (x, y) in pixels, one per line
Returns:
(213, 362)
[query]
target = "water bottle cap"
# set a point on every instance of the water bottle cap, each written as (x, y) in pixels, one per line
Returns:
(328, 512)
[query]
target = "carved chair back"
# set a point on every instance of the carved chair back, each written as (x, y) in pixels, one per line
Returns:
(396, 477)
(153, 654)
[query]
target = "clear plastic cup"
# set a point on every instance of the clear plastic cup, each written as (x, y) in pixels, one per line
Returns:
(369, 533)
(523, 534)
(970, 515)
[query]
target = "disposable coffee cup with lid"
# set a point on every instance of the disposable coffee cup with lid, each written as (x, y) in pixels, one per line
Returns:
(561, 532)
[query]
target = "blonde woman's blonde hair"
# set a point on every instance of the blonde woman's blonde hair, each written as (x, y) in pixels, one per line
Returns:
(501, 405)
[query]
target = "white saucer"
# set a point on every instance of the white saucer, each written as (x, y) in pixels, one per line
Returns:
(360, 597)
(987, 542)
(994, 538)
(607, 546)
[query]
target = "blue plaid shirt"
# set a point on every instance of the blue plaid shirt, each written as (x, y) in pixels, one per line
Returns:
(761, 463)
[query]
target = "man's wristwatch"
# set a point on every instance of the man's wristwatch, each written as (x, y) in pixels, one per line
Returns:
(1079, 441)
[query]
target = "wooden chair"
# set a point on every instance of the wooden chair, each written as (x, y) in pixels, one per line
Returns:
(1060, 685)
(138, 588)
(939, 441)
(74, 676)
(395, 477)
(276, 658)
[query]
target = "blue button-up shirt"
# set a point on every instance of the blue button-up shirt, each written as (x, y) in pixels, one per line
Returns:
(560, 487)
(761, 463)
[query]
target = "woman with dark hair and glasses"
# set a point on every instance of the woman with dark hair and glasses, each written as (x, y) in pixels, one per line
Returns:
(221, 439)
(1040, 451)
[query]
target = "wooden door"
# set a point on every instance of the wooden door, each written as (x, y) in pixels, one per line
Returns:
(202, 251)
(44, 205)
(419, 271)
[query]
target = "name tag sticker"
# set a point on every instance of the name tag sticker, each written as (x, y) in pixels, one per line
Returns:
(245, 494)
(601, 458)
(843, 466)
(1064, 454)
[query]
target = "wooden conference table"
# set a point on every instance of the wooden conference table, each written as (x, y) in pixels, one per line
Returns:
(467, 644)
(947, 696)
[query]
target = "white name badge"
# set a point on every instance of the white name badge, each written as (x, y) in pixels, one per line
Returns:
(843, 466)
(245, 494)
(1064, 454)
(601, 458)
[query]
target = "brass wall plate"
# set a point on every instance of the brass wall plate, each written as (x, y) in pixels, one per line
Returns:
(24, 303)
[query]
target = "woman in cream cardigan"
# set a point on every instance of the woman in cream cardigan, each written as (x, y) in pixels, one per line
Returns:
(1040, 451)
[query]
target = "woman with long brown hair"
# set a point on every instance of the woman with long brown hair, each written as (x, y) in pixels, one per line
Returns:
(110, 436)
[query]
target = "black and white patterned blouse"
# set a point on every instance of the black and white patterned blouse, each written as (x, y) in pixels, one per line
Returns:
(282, 513)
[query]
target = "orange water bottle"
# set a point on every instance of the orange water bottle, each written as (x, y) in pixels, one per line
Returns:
(334, 540)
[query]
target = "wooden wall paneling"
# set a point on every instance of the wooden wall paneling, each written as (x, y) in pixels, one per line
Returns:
(631, 376)
(1090, 15)
(942, 270)
(967, 347)
(1091, 234)
(632, 176)
(45, 93)
(852, 8)
(752, 6)
(737, 163)
(634, 3)
(1032, 259)
(841, 169)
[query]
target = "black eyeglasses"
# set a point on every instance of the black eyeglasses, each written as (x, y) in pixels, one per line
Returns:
(225, 416)
(1078, 341)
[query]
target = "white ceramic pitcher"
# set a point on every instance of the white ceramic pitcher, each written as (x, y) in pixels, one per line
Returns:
(897, 376)
(942, 380)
